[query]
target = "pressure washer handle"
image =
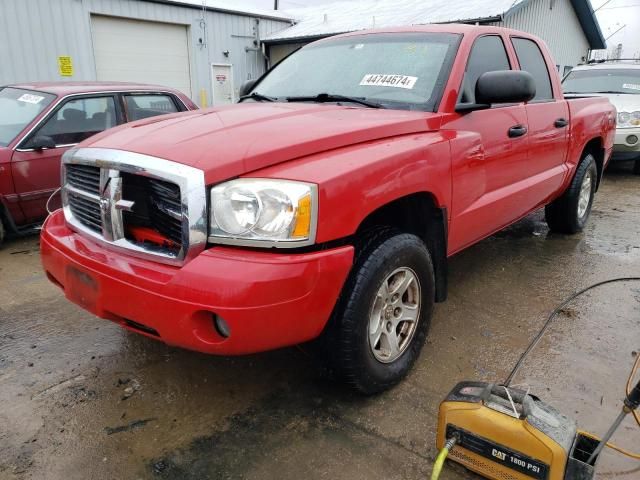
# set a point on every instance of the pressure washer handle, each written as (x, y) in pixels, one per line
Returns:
(633, 399)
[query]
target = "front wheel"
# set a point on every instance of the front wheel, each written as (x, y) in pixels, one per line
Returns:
(382, 318)
(570, 212)
(636, 167)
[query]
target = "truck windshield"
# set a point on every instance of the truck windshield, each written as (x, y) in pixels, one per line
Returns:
(18, 108)
(603, 80)
(405, 71)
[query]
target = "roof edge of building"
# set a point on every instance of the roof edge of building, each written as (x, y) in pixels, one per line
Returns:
(244, 13)
(590, 25)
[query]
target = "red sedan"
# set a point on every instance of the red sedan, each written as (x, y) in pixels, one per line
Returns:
(39, 122)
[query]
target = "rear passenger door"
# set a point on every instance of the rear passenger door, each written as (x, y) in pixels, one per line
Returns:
(36, 173)
(489, 154)
(138, 106)
(548, 119)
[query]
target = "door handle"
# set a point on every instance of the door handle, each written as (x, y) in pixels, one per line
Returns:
(517, 131)
(561, 123)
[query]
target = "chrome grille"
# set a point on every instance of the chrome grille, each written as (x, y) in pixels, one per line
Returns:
(84, 177)
(148, 206)
(87, 211)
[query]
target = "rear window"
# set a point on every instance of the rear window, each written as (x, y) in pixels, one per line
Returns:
(603, 80)
(531, 60)
(148, 105)
(18, 108)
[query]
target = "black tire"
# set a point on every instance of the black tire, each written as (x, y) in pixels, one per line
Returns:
(636, 167)
(346, 340)
(2, 232)
(563, 214)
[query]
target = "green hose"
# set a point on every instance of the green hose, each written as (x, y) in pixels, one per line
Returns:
(442, 456)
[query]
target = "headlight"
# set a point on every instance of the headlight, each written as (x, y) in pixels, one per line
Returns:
(263, 212)
(629, 119)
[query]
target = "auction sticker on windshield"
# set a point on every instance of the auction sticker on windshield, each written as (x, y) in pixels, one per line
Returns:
(631, 86)
(28, 98)
(397, 81)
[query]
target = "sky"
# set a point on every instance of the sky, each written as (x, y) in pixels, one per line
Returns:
(613, 15)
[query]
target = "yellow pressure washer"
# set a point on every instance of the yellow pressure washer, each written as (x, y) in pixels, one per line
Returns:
(505, 433)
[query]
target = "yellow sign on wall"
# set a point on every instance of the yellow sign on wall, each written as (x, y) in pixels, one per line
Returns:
(65, 66)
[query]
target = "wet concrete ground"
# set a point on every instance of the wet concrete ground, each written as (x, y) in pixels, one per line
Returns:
(81, 398)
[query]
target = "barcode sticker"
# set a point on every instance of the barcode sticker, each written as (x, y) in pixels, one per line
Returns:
(396, 81)
(631, 86)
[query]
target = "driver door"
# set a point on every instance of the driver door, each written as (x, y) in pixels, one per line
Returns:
(489, 154)
(36, 171)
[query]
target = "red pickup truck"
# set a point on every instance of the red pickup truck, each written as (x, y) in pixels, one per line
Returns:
(39, 122)
(325, 205)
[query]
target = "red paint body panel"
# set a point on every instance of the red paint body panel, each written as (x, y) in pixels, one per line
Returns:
(268, 300)
(361, 159)
(232, 140)
(35, 175)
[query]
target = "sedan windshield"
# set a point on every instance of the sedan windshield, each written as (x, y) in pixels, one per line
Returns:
(18, 108)
(406, 71)
(601, 80)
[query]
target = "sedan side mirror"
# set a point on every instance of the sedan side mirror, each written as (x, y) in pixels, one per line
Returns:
(42, 142)
(246, 87)
(505, 86)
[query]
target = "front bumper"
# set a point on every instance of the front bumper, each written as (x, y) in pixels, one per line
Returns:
(269, 300)
(624, 147)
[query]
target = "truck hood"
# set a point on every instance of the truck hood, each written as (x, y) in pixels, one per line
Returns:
(237, 139)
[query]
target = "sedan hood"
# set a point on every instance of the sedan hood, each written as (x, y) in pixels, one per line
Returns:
(622, 101)
(234, 140)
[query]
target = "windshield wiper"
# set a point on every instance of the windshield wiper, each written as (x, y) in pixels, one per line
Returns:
(610, 91)
(258, 97)
(328, 97)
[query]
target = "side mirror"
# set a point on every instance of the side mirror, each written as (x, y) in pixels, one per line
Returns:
(505, 86)
(42, 142)
(246, 87)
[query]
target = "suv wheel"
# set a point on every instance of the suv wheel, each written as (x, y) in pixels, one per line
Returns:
(636, 167)
(381, 320)
(570, 212)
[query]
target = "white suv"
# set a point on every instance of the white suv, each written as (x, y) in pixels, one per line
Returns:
(620, 82)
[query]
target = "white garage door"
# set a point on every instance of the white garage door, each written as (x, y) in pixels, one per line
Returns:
(139, 51)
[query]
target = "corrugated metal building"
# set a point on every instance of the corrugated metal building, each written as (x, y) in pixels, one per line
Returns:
(205, 52)
(569, 27)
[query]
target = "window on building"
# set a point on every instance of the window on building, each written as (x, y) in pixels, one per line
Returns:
(532, 61)
(487, 55)
(79, 119)
(148, 105)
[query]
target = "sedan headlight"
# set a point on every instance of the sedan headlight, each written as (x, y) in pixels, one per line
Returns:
(263, 212)
(629, 119)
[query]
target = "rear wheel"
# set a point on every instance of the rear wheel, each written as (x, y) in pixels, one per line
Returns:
(636, 167)
(570, 212)
(382, 317)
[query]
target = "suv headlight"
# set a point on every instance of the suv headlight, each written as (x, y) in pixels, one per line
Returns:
(263, 213)
(629, 119)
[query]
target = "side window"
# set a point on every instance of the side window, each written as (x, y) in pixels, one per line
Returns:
(78, 119)
(148, 105)
(532, 61)
(487, 55)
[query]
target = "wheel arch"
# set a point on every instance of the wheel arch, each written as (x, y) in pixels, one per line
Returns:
(417, 213)
(595, 147)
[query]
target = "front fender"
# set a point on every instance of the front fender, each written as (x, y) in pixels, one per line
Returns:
(357, 180)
